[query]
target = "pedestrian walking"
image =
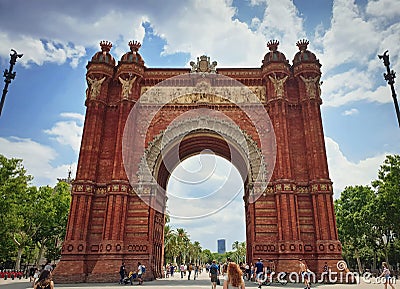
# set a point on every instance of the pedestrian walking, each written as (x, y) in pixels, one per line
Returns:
(233, 278)
(259, 266)
(31, 274)
(247, 271)
(213, 273)
(386, 275)
(190, 269)
(48, 267)
(304, 273)
(325, 271)
(141, 270)
(182, 269)
(122, 273)
(35, 276)
(196, 271)
(45, 281)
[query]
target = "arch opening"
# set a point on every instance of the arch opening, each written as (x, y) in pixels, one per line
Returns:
(212, 180)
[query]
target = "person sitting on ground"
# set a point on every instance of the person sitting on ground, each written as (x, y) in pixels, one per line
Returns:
(45, 281)
(233, 279)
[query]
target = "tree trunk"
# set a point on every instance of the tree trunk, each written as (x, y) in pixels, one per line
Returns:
(358, 261)
(374, 262)
(18, 260)
(40, 254)
(175, 261)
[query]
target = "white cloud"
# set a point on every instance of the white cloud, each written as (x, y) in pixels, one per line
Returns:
(37, 160)
(282, 21)
(346, 173)
(186, 27)
(233, 43)
(228, 224)
(352, 111)
(68, 132)
(202, 186)
(350, 39)
(384, 8)
(219, 188)
(73, 115)
(351, 68)
(39, 52)
(60, 35)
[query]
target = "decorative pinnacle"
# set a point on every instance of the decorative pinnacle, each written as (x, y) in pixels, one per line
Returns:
(105, 46)
(302, 44)
(273, 45)
(134, 45)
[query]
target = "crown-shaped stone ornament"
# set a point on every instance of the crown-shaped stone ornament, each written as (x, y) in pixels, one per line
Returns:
(105, 46)
(302, 44)
(273, 45)
(134, 45)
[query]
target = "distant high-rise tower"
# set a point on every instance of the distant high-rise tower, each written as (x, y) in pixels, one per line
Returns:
(221, 246)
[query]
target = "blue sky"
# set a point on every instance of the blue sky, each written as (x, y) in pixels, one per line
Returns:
(43, 115)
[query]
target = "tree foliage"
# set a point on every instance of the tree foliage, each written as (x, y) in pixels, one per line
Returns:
(368, 219)
(32, 217)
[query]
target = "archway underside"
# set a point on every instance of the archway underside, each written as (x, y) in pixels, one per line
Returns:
(194, 144)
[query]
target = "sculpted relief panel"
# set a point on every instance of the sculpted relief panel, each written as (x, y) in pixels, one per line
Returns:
(190, 95)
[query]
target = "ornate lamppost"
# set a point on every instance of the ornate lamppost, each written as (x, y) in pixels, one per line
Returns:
(9, 75)
(389, 76)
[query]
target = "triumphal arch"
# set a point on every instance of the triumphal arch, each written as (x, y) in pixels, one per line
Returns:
(141, 122)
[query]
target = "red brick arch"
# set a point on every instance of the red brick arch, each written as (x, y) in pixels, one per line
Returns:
(118, 200)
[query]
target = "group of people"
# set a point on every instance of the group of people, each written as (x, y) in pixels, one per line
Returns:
(231, 272)
(42, 279)
(187, 269)
(132, 275)
(169, 270)
(39, 279)
(11, 274)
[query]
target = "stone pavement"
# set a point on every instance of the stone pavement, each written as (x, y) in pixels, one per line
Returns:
(176, 282)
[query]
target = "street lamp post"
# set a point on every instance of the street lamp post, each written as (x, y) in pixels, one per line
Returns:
(9, 75)
(389, 77)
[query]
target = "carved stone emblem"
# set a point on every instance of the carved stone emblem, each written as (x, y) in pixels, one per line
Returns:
(203, 65)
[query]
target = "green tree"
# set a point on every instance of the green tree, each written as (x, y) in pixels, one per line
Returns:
(354, 220)
(30, 216)
(53, 231)
(13, 184)
(196, 252)
(239, 255)
(207, 256)
(171, 249)
(183, 243)
(387, 202)
(32, 210)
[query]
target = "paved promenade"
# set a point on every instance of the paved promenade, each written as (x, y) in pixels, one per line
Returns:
(176, 282)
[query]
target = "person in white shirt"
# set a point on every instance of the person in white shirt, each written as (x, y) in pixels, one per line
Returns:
(140, 273)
